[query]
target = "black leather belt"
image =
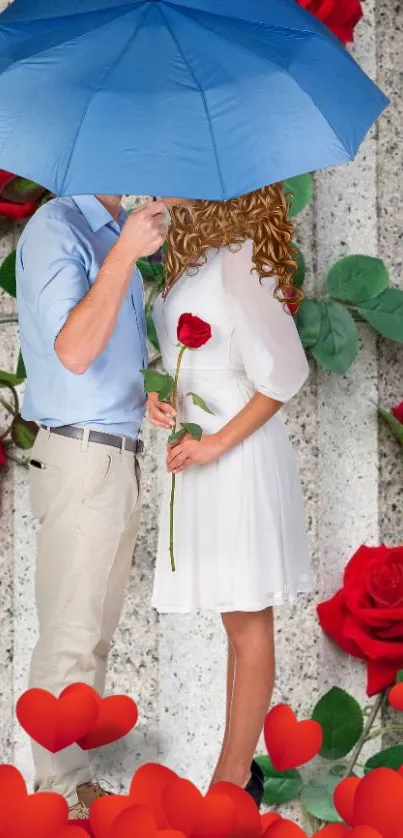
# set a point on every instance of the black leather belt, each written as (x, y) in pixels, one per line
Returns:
(135, 446)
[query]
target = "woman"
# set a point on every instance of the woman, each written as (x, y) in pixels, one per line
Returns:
(240, 543)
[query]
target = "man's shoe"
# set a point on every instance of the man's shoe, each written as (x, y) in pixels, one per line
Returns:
(78, 812)
(87, 793)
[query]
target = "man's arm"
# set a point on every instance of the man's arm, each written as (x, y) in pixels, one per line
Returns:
(90, 324)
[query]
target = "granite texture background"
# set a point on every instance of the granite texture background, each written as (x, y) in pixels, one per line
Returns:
(352, 474)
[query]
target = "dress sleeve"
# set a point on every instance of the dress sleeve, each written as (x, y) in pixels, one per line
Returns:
(51, 275)
(265, 333)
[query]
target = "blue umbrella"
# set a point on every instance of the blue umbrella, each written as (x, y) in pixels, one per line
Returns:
(197, 98)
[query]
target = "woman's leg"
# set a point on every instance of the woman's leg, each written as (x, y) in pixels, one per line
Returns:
(251, 636)
(230, 688)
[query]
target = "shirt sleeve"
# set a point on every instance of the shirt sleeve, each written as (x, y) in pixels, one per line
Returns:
(51, 274)
(265, 333)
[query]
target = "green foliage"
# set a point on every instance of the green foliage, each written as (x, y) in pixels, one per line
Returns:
(299, 189)
(388, 758)
(309, 321)
(301, 270)
(10, 378)
(158, 382)
(23, 433)
(151, 330)
(342, 721)
(199, 402)
(357, 279)
(7, 274)
(279, 786)
(21, 372)
(337, 345)
(194, 430)
(317, 797)
(385, 314)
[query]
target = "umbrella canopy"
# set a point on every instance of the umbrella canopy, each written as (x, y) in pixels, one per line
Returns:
(192, 98)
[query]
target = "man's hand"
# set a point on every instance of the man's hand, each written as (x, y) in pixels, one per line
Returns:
(144, 232)
(190, 452)
(160, 414)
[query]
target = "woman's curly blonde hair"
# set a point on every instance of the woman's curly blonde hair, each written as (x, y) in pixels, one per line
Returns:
(261, 216)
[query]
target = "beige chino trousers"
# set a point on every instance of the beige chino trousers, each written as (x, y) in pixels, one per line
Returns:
(86, 497)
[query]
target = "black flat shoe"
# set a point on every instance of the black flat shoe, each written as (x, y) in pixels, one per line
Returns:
(255, 789)
(256, 770)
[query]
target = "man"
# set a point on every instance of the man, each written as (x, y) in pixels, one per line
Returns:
(83, 338)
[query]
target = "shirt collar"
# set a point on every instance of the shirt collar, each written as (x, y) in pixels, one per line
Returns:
(95, 213)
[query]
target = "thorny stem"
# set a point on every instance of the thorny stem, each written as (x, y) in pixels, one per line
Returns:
(366, 733)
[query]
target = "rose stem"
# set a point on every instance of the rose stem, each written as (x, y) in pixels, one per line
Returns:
(173, 482)
(366, 733)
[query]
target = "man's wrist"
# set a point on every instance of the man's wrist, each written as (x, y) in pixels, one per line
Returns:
(128, 258)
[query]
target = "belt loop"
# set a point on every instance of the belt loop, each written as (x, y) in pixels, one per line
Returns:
(48, 431)
(85, 439)
(123, 448)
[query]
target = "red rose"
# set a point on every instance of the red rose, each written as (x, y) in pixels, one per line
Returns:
(3, 456)
(340, 16)
(17, 212)
(365, 617)
(397, 411)
(193, 332)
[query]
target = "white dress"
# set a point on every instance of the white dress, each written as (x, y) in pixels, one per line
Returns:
(239, 538)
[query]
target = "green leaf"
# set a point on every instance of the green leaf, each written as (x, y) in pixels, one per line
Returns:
(317, 797)
(199, 402)
(385, 314)
(194, 430)
(279, 786)
(151, 330)
(176, 436)
(158, 382)
(357, 279)
(151, 271)
(7, 274)
(399, 676)
(301, 189)
(10, 378)
(342, 721)
(20, 189)
(300, 273)
(337, 346)
(309, 321)
(21, 371)
(23, 433)
(389, 758)
(396, 427)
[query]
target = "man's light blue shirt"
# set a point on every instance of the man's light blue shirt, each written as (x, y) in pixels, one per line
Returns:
(59, 256)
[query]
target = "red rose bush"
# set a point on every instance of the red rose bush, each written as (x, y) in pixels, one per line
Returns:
(19, 198)
(365, 617)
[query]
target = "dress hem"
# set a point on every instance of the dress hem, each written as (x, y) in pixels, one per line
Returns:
(225, 609)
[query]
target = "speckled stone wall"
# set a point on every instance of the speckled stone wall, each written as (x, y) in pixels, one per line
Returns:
(353, 482)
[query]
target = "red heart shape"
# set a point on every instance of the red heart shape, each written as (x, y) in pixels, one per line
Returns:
(56, 723)
(136, 820)
(104, 812)
(364, 832)
(291, 743)
(396, 696)
(170, 833)
(247, 818)
(378, 802)
(333, 830)
(71, 832)
(12, 784)
(343, 798)
(284, 829)
(147, 788)
(268, 819)
(213, 816)
(38, 816)
(117, 716)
